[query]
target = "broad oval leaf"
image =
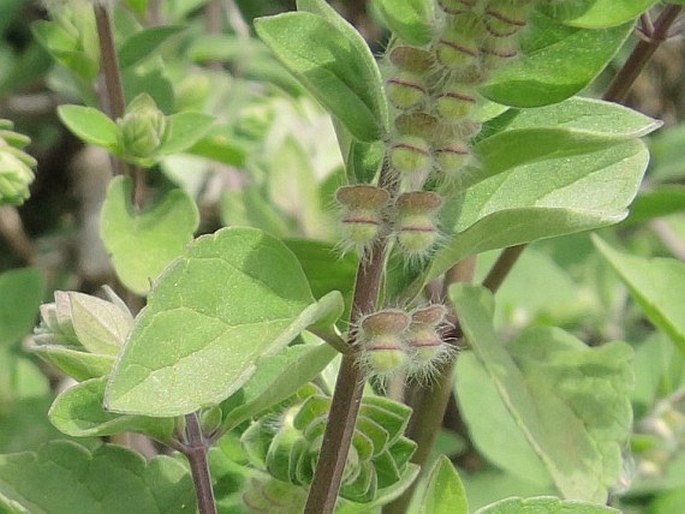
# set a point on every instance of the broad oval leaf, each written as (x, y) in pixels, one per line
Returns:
(556, 63)
(142, 244)
(411, 20)
(544, 199)
(65, 478)
(444, 494)
(234, 297)
(338, 70)
(657, 285)
(598, 14)
(90, 125)
(545, 505)
(78, 412)
(559, 392)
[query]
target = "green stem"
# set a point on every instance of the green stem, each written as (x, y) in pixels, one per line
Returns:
(195, 449)
(349, 386)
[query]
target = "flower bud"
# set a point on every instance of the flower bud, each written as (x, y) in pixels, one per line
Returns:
(363, 216)
(452, 158)
(416, 223)
(498, 51)
(16, 166)
(410, 155)
(426, 346)
(456, 52)
(412, 59)
(406, 90)
(420, 124)
(457, 6)
(381, 340)
(142, 130)
(503, 18)
(457, 101)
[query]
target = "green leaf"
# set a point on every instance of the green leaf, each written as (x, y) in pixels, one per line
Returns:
(78, 412)
(444, 493)
(556, 63)
(233, 298)
(544, 505)
(544, 199)
(339, 70)
(249, 207)
(657, 202)
(142, 244)
(144, 44)
(65, 478)
(77, 364)
(656, 285)
(90, 125)
(411, 20)
(570, 401)
(598, 14)
(66, 49)
(21, 292)
(100, 326)
(277, 377)
(185, 129)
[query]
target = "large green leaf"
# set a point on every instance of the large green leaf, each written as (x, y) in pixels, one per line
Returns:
(234, 297)
(142, 244)
(444, 493)
(65, 478)
(78, 412)
(21, 291)
(411, 20)
(549, 198)
(569, 401)
(556, 63)
(338, 70)
(657, 285)
(597, 14)
(544, 505)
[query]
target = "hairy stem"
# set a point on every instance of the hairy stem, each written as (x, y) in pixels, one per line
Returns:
(645, 48)
(350, 383)
(195, 450)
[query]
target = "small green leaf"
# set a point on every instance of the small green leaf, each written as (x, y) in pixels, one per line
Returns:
(184, 130)
(657, 285)
(91, 125)
(277, 377)
(144, 44)
(65, 478)
(142, 244)
(444, 493)
(657, 202)
(77, 364)
(234, 297)
(339, 70)
(570, 401)
(100, 326)
(411, 20)
(21, 292)
(545, 505)
(598, 14)
(556, 63)
(78, 412)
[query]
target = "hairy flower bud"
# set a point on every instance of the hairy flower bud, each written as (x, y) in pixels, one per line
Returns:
(426, 346)
(503, 18)
(457, 6)
(412, 59)
(456, 101)
(456, 52)
(143, 129)
(497, 51)
(410, 155)
(363, 215)
(452, 158)
(406, 90)
(381, 340)
(416, 223)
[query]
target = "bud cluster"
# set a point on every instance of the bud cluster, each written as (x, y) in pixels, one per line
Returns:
(142, 131)
(16, 166)
(394, 341)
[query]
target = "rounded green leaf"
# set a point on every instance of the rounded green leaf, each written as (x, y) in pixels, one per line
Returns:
(556, 63)
(544, 505)
(21, 291)
(597, 14)
(234, 297)
(142, 244)
(445, 494)
(338, 70)
(90, 125)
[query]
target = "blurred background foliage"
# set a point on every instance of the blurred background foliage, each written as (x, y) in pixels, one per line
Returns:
(272, 162)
